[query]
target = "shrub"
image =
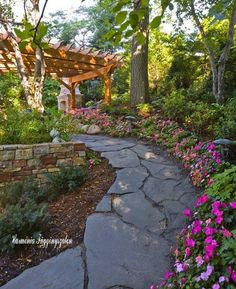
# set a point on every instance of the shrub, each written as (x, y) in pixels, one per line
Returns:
(116, 109)
(144, 109)
(68, 179)
(21, 193)
(176, 106)
(26, 127)
(204, 119)
(227, 123)
(11, 91)
(22, 221)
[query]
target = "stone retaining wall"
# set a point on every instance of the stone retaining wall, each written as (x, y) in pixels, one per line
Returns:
(20, 161)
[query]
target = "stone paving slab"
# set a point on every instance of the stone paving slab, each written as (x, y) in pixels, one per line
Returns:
(65, 271)
(159, 190)
(121, 255)
(136, 210)
(122, 159)
(128, 180)
(104, 205)
(162, 171)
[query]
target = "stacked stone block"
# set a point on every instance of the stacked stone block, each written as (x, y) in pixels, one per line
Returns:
(20, 161)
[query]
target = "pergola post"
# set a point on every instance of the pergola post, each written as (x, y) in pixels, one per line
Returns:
(107, 82)
(72, 97)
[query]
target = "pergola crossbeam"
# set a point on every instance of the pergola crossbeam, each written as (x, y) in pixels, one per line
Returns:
(77, 64)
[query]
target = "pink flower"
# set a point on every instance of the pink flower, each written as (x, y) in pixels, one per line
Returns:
(208, 221)
(183, 280)
(226, 233)
(190, 243)
(233, 205)
(187, 213)
(216, 286)
(187, 252)
(199, 260)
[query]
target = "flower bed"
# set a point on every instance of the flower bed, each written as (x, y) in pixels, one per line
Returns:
(206, 254)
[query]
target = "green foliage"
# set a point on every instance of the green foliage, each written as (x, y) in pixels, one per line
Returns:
(208, 124)
(21, 193)
(51, 90)
(117, 109)
(144, 109)
(25, 127)
(227, 127)
(176, 106)
(228, 250)
(29, 34)
(224, 186)
(93, 158)
(68, 179)
(21, 221)
(11, 91)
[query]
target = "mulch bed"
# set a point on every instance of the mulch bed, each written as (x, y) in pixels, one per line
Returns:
(69, 213)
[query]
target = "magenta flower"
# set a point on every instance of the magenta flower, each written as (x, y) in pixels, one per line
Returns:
(168, 275)
(201, 200)
(187, 213)
(183, 280)
(233, 276)
(190, 243)
(233, 205)
(210, 231)
(219, 220)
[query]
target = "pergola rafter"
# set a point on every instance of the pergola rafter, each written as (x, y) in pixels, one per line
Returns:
(75, 64)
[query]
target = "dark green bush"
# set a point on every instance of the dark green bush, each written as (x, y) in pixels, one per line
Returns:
(68, 179)
(227, 127)
(22, 221)
(21, 193)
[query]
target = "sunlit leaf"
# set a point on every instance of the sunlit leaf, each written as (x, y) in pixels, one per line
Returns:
(120, 17)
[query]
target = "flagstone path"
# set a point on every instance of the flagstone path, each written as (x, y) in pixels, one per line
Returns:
(127, 240)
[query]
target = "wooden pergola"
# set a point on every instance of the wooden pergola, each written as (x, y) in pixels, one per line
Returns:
(74, 64)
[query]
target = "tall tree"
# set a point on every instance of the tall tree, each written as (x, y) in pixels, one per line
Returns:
(199, 10)
(139, 87)
(32, 31)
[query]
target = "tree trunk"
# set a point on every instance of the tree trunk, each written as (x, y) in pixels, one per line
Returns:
(139, 85)
(218, 72)
(224, 57)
